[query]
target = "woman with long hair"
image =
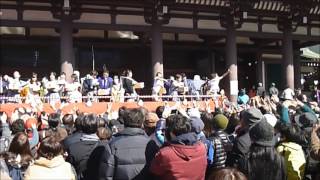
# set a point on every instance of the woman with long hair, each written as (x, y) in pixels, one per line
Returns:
(19, 156)
(264, 161)
(53, 89)
(33, 96)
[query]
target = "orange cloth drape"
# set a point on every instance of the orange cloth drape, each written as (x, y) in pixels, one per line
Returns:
(97, 108)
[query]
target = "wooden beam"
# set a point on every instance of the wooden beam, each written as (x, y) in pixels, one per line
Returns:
(146, 28)
(308, 43)
(214, 10)
(125, 43)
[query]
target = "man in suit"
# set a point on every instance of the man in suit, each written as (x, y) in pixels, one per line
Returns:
(105, 83)
(90, 85)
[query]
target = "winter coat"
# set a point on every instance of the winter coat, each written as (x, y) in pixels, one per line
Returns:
(239, 153)
(80, 152)
(71, 139)
(294, 159)
(131, 153)
(221, 146)
(181, 160)
(56, 168)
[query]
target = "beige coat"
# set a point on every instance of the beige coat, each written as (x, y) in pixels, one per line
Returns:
(56, 168)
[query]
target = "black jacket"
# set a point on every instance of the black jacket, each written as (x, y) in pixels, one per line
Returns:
(71, 139)
(239, 154)
(78, 155)
(222, 146)
(127, 86)
(131, 154)
(87, 86)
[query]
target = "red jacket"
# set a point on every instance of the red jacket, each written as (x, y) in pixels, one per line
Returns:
(181, 162)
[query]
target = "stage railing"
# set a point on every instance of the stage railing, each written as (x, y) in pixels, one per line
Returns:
(137, 97)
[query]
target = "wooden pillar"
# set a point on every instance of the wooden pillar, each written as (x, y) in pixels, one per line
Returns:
(288, 66)
(261, 70)
(212, 61)
(297, 69)
(231, 60)
(156, 49)
(67, 59)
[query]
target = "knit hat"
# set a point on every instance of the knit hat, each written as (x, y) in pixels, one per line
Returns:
(196, 124)
(271, 119)
(262, 133)
(251, 116)
(307, 119)
(151, 120)
(220, 121)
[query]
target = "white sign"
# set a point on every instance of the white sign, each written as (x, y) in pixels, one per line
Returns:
(234, 87)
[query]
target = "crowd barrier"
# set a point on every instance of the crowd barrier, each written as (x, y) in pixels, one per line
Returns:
(101, 107)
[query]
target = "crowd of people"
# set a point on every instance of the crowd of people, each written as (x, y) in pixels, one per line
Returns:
(266, 136)
(119, 88)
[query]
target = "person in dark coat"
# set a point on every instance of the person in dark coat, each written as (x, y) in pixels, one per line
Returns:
(183, 156)
(76, 135)
(242, 143)
(91, 83)
(131, 150)
(264, 162)
(273, 91)
(128, 82)
(261, 91)
(80, 154)
(105, 82)
(220, 141)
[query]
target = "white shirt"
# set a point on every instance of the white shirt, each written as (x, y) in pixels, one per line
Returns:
(34, 87)
(288, 94)
(214, 84)
(53, 85)
(158, 82)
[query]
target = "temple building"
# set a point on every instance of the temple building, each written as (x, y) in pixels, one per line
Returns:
(259, 41)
